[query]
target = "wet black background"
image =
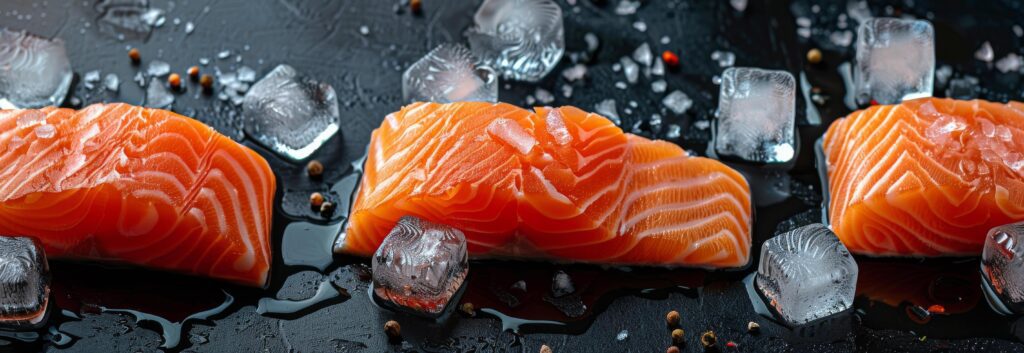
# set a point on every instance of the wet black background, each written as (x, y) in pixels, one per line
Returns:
(322, 39)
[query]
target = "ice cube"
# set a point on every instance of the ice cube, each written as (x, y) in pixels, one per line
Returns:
(449, 73)
(807, 274)
(133, 18)
(895, 60)
(756, 113)
(420, 266)
(677, 101)
(34, 71)
(24, 282)
(1002, 263)
(643, 55)
(291, 115)
(157, 96)
(521, 39)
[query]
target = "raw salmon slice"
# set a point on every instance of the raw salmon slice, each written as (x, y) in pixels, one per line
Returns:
(928, 177)
(559, 183)
(139, 186)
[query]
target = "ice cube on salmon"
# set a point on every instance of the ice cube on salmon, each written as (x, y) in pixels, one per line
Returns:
(134, 185)
(555, 183)
(927, 177)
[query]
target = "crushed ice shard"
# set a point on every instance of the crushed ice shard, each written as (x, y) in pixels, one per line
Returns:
(895, 60)
(24, 282)
(1002, 263)
(158, 96)
(128, 18)
(449, 73)
(521, 39)
(290, 114)
(420, 266)
(756, 113)
(807, 274)
(34, 71)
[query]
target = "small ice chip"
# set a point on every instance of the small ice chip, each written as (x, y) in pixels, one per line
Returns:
(659, 86)
(622, 336)
(643, 55)
(224, 54)
(674, 131)
(158, 68)
(544, 96)
(34, 71)
(246, 74)
(677, 101)
(807, 274)
(420, 266)
(24, 282)
(985, 52)
(292, 115)
(630, 69)
(91, 78)
(561, 284)
(111, 82)
(521, 39)
(364, 30)
(449, 73)
(627, 7)
(640, 26)
(739, 5)
(756, 115)
(157, 96)
(575, 72)
(1011, 63)
(724, 58)
(895, 60)
(189, 27)
(963, 88)
(45, 131)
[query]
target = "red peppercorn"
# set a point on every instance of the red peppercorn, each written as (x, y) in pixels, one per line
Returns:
(937, 309)
(730, 344)
(874, 102)
(670, 58)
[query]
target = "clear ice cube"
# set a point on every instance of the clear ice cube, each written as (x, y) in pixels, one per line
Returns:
(111, 82)
(756, 112)
(449, 73)
(34, 71)
(521, 39)
(1002, 263)
(807, 274)
(677, 101)
(420, 265)
(290, 114)
(895, 60)
(128, 18)
(24, 281)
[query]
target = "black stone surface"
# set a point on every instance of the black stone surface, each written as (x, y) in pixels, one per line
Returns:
(322, 39)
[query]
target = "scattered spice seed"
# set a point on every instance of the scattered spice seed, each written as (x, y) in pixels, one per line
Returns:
(672, 349)
(937, 309)
(708, 339)
(730, 344)
(315, 168)
(678, 336)
(175, 81)
(326, 209)
(416, 6)
(670, 58)
(814, 56)
(193, 72)
(133, 54)
(206, 81)
(393, 330)
(753, 327)
(468, 309)
(874, 102)
(672, 318)
(545, 349)
(316, 199)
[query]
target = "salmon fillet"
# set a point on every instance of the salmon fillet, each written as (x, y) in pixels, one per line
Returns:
(928, 177)
(140, 186)
(559, 183)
